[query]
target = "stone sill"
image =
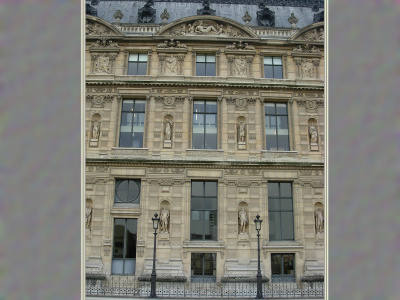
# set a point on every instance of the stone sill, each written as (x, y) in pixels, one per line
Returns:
(161, 278)
(242, 279)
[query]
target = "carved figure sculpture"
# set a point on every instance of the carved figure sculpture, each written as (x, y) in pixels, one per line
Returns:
(88, 214)
(168, 130)
(240, 67)
(313, 134)
(243, 221)
(242, 132)
(319, 220)
(164, 217)
(308, 69)
(206, 29)
(101, 65)
(171, 65)
(95, 131)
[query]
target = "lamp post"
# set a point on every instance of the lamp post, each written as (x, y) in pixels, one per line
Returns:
(155, 220)
(258, 222)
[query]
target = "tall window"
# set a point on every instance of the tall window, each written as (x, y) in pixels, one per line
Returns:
(132, 123)
(127, 191)
(205, 65)
(280, 211)
(124, 246)
(276, 126)
(204, 209)
(204, 125)
(273, 67)
(203, 266)
(137, 64)
(282, 266)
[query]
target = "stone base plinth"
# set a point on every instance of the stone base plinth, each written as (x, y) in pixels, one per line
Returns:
(93, 143)
(164, 236)
(243, 236)
(168, 144)
(314, 147)
(241, 146)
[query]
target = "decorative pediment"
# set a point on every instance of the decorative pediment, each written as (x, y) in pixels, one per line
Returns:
(96, 26)
(310, 33)
(197, 26)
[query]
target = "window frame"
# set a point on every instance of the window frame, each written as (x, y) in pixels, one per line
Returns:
(129, 53)
(118, 181)
(209, 51)
(124, 251)
(121, 112)
(276, 115)
(280, 210)
(205, 114)
(282, 277)
(203, 210)
(273, 65)
(282, 54)
(202, 278)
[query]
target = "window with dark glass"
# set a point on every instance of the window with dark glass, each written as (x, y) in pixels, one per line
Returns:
(205, 65)
(137, 64)
(127, 191)
(282, 266)
(203, 266)
(273, 67)
(204, 209)
(280, 211)
(124, 246)
(204, 125)
(132, 123)
(276, 126)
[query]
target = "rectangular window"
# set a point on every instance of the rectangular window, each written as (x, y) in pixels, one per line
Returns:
(204, 210)
(205, 65)
(204, 125)
(132, 123)
(280, 211)
(276, 126)
(273, 67)
(282, 267)
(124, 246)
(127, 191)
(203, 266)
(137, 64)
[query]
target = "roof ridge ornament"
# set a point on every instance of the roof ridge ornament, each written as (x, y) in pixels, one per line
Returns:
(293, 20)
(265, 17)
(247, 18)
(206, 10)
(147, 14)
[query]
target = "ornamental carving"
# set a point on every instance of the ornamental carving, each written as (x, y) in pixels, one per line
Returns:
(240, 46)
(98, 101)
(103, 63)
(310, 105)
(307, 68)
(171, 44)
(94, 28)
(241, 92)
(312, 35)
(171, 64)
(240, 65)
(167, 170)
(306, 48)
(104, 43)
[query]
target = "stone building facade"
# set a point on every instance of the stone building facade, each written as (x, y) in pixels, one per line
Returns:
(207, 121)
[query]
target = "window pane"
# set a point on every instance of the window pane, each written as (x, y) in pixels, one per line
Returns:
(283, 142)
(273, 189)
(133, 57)
(278, 72)
(127, 105)
(200, 58)
(211, 203)
(277, 60)
(286, 189)
(288, 264)
(210, 188)
(210, 69)
(125, 139)
(197, 203)
(211, 107)
(271, 142)
(197, 188)
(121, 191)
(132, 68)
(273, 204)
(200, 69)
(268, 72)
(143, 57)
(276, 264)
(129, 267)
(286, 204)
(198, 106)
(131, 239)
(210, 58)
(267, 60)
(211, 141)
(140, 105)
(274, 226)
(142, 69)
(209, 264)
(137, 140)
(270, 124)
(287, 226)
(270, 108)
(196, 225)
(281, 108)
(210, 225)
(282, 122)
(134, 191)
(198, 141)
(197, 264)
(119, 232)
(117, 266)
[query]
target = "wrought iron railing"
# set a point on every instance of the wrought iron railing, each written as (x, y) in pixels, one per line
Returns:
(117, 285)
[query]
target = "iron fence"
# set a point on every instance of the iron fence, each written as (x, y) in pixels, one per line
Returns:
(118, 285)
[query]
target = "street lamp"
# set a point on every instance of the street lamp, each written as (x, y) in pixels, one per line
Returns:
(155, 220)
(258, 222)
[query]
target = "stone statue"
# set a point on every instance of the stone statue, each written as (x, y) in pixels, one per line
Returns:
(164, 217)
(191, 28)
(313, 134)
(308, 69)
(88, 214)
(206, 29)
(240, 67)
(242, 221)
(168, 130)
(171, 65)
(319, 220)
(96, 130)
(242, 132)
